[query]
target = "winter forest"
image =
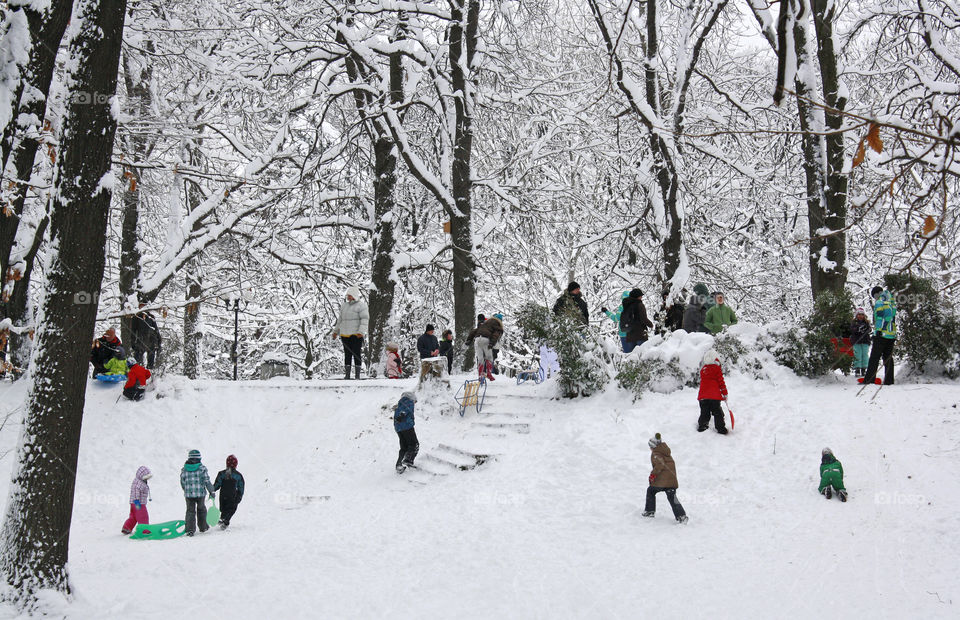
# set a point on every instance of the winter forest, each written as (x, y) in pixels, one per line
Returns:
(233, 167)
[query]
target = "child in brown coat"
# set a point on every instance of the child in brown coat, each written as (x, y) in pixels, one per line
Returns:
(662, 478)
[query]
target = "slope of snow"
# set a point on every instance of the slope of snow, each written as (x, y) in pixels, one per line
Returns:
(550, 527)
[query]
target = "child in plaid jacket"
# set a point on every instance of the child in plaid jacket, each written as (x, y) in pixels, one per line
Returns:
(195, 482)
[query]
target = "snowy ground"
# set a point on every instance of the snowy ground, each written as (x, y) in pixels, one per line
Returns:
(550, 528)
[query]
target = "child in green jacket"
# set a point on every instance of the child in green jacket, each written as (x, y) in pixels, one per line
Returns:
(831, 476)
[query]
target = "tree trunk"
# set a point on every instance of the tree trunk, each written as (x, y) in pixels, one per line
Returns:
(36, 529)
(192, 333)
(463, 42)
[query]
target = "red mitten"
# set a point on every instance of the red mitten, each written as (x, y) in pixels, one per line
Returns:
(652, 477)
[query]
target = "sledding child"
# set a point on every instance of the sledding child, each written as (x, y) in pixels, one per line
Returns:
(403, 424)
(712, 391)
(831, 476)
(116, 365)
(195, 482)
(486, 337)
(662, 478)
(139, 494)
(137, 377)
(230, 484)
(860, 339)
(393, 368)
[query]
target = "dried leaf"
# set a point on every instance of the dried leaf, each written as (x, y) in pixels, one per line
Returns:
(164, 311)
(873, 138)
(929, 226)
(860, 155)
(891, 187)
(226, 193)
(52, 152)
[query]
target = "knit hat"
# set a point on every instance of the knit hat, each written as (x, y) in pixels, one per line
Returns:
(353, 292)
(625, 294)
(710, 357)
(875, 291)
(393, 346)
(827, 451)
(861, 311)
(131, 361)
(429, 327)
(409, 395)
(481, 318)
(636, 293)
(193, 454)
(232, 462)
(572, 287)
(654, 441)
(498, 316)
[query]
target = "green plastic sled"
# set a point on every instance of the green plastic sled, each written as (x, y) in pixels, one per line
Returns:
(159, 531)
(213, 514)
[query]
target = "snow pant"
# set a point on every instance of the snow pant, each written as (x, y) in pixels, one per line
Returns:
(137, 515)
(196, 514)
(630, 345)
(710, 407)
(831, 479)
(651, 505)
(352, 349)
(624, 345)
(227, 510)
(133, 393)
(882, 349)
(483, 350)
(409, 446)
(861, 353)
(150, 354)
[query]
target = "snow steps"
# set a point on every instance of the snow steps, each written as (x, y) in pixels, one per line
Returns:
(522, 428)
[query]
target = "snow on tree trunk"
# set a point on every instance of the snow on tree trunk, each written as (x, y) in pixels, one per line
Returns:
(36, 528)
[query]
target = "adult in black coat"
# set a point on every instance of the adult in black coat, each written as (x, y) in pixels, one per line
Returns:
(571, 304)
(427, 344)
(105, 348)
(146, 337)
(633, 320)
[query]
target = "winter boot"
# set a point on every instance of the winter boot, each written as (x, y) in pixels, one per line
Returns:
(828, 492)
(700, 429)
(480, 370)
(488, 367)
(401, 468)
(842, 494)
(682, 519)
(346, 374)
(647, 513)
(356, 372)
(722, 430)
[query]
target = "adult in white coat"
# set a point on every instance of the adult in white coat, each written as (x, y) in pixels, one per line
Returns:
(351, 328)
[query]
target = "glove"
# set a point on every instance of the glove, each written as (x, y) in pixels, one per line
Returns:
(136, 504)
(652, 477)
(603, 309)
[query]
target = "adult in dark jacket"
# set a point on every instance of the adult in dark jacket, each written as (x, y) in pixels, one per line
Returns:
(427, 344)
(446, 348)
(146, 337)
(572, 305)
(486, 336)
(104, 349)
(230, 484)
(696, 312)
(672, 313)
(633, 320)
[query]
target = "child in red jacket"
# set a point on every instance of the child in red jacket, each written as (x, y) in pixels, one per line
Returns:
(712, 391)
(137, 377)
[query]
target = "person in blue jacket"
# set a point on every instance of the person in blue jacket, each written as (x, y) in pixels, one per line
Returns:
(885, 336)
(403, 423)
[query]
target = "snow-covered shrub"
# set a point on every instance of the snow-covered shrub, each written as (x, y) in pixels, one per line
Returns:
(928, 329)
(655, 375)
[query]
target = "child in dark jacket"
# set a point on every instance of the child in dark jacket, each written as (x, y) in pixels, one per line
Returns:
(195, 482)
(831, 476)
(860, 339)
(230, 484)
(712, 390)
(403, 424)
(139, 495)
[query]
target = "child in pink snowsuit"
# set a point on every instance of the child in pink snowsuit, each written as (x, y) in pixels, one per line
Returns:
(139, 494)
(393, 369)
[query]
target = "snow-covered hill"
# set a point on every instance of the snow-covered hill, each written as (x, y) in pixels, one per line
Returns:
(548, 526)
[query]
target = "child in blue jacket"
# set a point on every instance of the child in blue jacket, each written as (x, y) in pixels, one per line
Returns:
(403, 424)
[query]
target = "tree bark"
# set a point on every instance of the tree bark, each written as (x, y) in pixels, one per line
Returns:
(36, 527)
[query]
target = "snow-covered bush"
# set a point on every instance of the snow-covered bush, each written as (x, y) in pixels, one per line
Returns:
(929, 330)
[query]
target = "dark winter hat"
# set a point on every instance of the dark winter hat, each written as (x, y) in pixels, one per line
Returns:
(232, 462)
(636, 293)
(875, 291)
(429, 328)
(409, 395)
(654, 441)
(193, 454)
(572, 287)
(481, 318)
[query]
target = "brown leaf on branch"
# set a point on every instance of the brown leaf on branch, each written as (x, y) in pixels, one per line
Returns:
(861, 153)
(873, 138)
(929, 226)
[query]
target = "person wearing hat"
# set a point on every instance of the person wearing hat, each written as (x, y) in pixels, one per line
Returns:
(633, 320)
(663, 477)
(137, 377)
(571, 305)
(195, 482)
(719, 316)
(403, 424)
(860, 340)
(713, 389)
(831, 476)
(139, 495)
(614, 315)
(116, 365)
(696, 312)
(146, 336)
(105, 348)
(427, 343)
(351, 328)
(229, 483)
(393, 368)
(884, 337)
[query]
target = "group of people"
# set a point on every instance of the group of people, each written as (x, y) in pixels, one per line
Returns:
(882, 336)
(107, 357)
(195, 482)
